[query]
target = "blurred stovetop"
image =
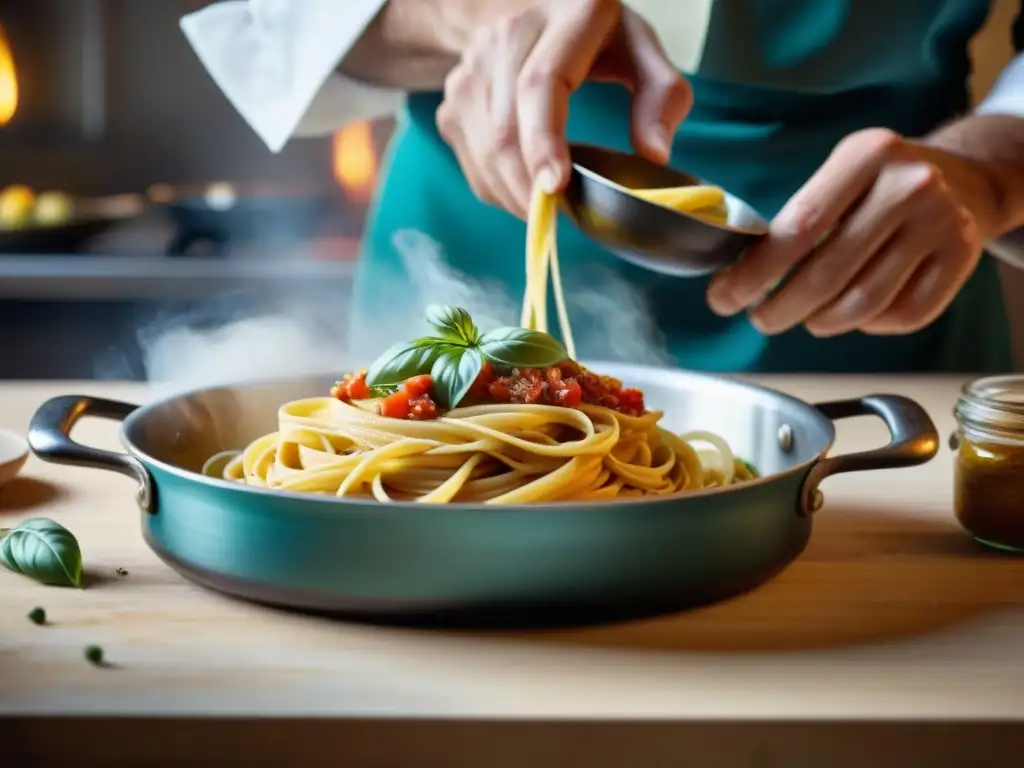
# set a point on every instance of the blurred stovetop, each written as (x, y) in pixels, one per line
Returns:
(152, 256)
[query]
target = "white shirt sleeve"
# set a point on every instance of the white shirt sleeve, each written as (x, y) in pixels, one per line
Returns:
(1006, 96)
(276, 61)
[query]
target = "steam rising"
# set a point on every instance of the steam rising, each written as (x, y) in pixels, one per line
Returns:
(296, 335)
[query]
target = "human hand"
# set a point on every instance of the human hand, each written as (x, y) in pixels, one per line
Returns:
(506, 102)
(879, 240)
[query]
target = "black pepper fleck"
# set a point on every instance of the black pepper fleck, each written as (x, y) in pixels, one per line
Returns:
(37, 615)
(121, 571)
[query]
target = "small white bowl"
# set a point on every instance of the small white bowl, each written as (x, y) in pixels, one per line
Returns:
(13, 455)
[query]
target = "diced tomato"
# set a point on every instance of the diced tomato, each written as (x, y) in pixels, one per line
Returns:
(351, 387)
(500, 390)
(611, 384)
(566, 385)
(358, 389)
(482, 383)
(632, 401)
(565, 392)
(417, 386)
(396, 405)
(527, 386)
(422, 408)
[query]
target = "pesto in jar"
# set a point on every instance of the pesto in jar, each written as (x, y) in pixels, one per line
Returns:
(988, 483)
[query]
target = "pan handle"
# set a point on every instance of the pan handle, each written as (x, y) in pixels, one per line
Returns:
(914, 440)
(49, 436)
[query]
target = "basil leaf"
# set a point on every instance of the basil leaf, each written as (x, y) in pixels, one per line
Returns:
(410, 358)
(454, 373)
(750, 467)
(42, 550)
(452, 324)
(522, 348)
(383, 390)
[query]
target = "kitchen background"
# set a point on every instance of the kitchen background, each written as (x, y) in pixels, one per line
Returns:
(180, 210)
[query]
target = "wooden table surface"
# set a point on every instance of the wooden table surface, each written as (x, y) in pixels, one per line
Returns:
(892, 613)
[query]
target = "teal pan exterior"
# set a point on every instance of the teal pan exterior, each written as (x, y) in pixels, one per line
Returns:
(520, 567)
(524, 566)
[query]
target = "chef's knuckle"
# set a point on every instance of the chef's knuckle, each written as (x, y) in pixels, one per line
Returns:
(866, 297)
(446, 120)
(535, 77)
(457, 83)
(924, 180)
(881, 142)
(804, 225)
(968, 230)
(670, 87)
(504, 136)
(819, 279)
(598, 8)
(512, 25)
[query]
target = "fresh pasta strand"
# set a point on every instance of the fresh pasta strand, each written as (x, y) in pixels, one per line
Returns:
(542, 247)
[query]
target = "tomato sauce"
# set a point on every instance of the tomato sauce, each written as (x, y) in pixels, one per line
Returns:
(566, 385)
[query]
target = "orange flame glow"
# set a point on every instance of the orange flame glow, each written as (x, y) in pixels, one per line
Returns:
(354, 158)
(8, 82)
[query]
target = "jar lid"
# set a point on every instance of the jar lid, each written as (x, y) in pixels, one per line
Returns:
(993, 403)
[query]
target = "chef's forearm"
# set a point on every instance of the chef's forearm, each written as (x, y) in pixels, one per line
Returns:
(992, 145)
(412, 44)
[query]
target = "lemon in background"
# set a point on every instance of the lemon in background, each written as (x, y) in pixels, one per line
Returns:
(53, 209)
(16, 206)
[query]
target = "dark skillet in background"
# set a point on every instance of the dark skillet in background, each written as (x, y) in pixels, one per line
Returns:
(208, 216)
(218, 213)
(87, 219)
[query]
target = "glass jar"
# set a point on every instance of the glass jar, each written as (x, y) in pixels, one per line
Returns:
(988, 485)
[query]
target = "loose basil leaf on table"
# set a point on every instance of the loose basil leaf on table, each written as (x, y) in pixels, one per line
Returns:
(452, 324)
(409, 358)
(454, 373)
(43, 550)
(521, 348)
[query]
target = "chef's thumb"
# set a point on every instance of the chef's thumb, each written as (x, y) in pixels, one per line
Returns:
(661, 99)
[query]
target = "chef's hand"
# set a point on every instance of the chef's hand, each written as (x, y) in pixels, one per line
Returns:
(903, 234)
(506, 102)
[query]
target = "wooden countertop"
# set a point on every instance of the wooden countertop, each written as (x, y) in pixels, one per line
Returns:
(891, 613)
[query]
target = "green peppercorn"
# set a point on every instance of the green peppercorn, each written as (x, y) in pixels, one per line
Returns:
(94, 655)
(37, 615)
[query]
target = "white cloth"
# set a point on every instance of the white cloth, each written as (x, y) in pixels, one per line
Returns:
(276, 61)
(1006, 96)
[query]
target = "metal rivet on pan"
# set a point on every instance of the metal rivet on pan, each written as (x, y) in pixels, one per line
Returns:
(785, 438)
(817, 501)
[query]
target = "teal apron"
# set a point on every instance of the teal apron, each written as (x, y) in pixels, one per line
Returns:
(779, 84)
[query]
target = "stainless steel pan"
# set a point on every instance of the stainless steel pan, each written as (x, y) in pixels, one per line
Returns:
(465, 564)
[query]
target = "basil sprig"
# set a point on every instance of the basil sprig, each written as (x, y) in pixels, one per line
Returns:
(455, 353)
(452, 324)
(43, 550)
